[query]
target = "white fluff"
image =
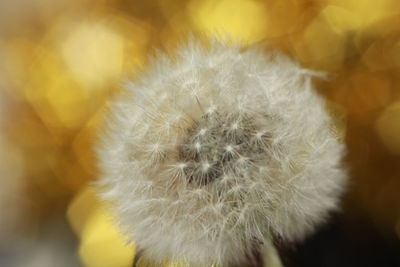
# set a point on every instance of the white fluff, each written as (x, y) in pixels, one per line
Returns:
(216, 150)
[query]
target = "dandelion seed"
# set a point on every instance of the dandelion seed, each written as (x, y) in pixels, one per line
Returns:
(235, 126)
(197, 145)
(229, 148)
(211, 110)
(202, 131)
(205, 166)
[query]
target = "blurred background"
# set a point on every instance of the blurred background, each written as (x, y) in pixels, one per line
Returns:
(60, 60)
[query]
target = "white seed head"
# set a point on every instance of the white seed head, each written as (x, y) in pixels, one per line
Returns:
(249, 155)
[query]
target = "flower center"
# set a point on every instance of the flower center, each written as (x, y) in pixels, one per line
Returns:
(221, 145)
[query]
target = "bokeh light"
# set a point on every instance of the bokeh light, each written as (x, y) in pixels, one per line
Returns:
(62, 60)
(239, 19)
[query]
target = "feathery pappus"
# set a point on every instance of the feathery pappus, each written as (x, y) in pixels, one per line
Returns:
(217, 150)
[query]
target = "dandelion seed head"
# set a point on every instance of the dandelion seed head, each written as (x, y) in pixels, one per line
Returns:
(200, 160)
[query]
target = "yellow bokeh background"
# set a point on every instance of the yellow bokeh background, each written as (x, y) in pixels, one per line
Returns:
(62, 60)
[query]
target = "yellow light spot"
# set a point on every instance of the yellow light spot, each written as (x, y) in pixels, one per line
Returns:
(241, 20)
(57, 99)
(93, 53)
(81, 208)
(102, 244)
(375, 56)
(340, 19)
(320, 46)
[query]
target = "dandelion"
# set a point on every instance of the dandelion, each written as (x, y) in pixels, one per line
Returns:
(216, 151)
